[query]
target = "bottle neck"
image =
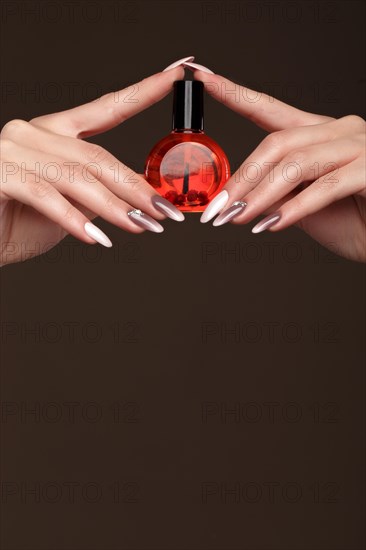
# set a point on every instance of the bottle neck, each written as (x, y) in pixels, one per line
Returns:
(187, 106)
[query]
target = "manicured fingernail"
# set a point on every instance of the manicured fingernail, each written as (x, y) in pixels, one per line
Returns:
(166, 207)
(196, 66)
(179, 62)
(230, 213)
(266, 223)
(97, 234)
(215, 206)
(145, 221)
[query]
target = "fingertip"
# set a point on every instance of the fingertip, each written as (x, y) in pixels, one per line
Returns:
(175, 73)
(178, 63)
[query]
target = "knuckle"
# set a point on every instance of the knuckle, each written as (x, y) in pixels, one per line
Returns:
(297, 205)
(298, 157)
(95, 153)
(14, 126)
(104, 97)
(47, 122)
(328, 182)
(357, 121)
(36, 119)
(73, 126)
(134, 185)
(59, 123)
(40, 189)
(110, 202)
(69, 213)
(113, 108)
(275, 140)
(132, 180)
(6, 147)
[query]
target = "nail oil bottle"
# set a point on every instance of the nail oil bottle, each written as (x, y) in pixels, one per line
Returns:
(187, 167)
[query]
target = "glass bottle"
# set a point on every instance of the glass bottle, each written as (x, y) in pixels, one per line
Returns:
(187, 167)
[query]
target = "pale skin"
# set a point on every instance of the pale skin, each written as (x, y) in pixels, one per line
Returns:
(38, 211)
(312, 169)
(324, 195)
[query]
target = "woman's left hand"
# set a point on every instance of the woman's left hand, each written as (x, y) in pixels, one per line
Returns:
(309, 171)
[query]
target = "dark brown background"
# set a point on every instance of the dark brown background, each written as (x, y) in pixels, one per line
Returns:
(150, 363)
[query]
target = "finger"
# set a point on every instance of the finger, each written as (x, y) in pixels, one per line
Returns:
(305, 165)
(80, 185)
(263, 160)
(88, 159)
(45, 199)
(328, 189)
(111, 109)
(265, 111)
(347, 239)
(269, 153)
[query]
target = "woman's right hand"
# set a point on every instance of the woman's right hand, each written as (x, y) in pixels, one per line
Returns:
(53, 183)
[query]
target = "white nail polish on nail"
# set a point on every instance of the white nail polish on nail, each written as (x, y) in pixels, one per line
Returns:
(179, 62)
(97, 234)
(266, 223)
(198, 67)
(215, 206)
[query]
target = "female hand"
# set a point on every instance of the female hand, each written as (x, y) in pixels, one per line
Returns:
(309, 171)
(53, 182)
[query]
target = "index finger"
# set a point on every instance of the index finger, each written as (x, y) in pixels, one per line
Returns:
(111, 109)
(265, 111)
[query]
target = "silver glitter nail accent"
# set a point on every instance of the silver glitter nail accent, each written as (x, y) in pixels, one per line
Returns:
(136, 211)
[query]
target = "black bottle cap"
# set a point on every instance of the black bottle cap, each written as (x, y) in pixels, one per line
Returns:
(188, 105)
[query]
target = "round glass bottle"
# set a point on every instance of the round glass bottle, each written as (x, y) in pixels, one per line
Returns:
(187, 167)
